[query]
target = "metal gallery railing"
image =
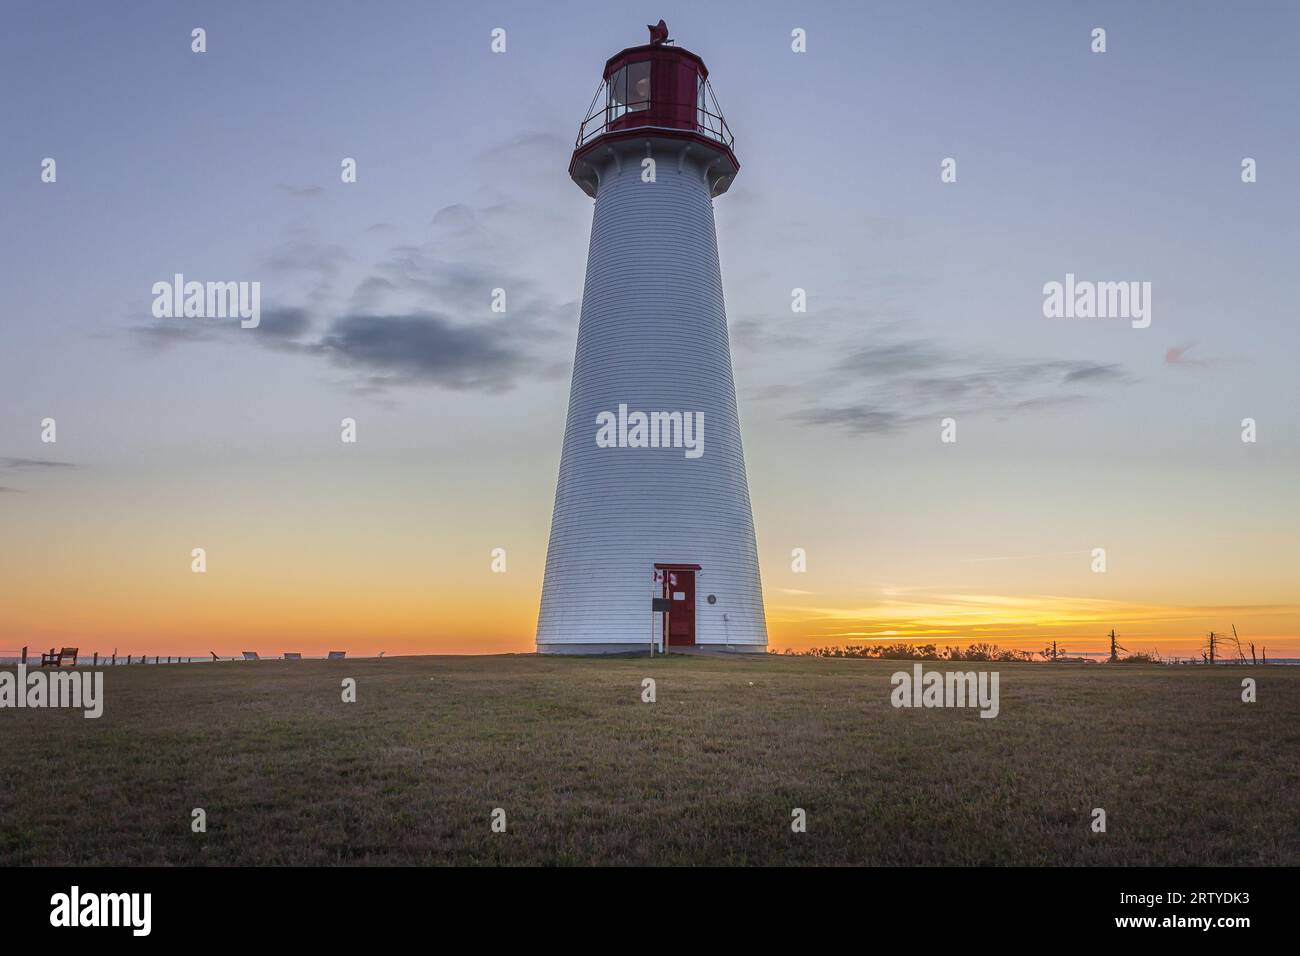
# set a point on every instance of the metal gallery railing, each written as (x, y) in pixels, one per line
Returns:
(610, 116)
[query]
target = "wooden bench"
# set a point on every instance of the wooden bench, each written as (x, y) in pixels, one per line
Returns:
(58, 660)
(336, 655)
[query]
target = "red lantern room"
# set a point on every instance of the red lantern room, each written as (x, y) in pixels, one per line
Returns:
(655, 92)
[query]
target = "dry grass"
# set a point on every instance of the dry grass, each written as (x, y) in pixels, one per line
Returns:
(288, 774)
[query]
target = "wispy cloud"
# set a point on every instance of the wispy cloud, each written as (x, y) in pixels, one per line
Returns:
(883, 387)
(754, 335)
(299, 192)
(277, 328)
(16, 466)
(34, 463)
(421, 315)
(420, 312)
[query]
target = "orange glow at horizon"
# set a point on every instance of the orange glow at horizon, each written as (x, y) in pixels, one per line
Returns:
(1079, 625)
(364, 619)
(407, 571)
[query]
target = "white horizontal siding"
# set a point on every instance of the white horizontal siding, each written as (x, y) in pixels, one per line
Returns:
(653, 336)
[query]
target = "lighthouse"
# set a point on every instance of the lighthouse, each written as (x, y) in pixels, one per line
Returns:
(652, 536)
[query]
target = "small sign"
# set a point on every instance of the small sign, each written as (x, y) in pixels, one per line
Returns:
(679, 595)
(661, 604)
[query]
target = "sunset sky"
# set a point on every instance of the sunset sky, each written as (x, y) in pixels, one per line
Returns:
(924, 302)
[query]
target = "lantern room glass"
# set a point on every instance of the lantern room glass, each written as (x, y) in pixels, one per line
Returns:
(629, 89)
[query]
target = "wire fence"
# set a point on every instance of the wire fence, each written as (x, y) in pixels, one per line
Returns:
(33, 657)
(53, 657)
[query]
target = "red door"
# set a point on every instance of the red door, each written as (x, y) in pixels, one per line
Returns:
(679, 587)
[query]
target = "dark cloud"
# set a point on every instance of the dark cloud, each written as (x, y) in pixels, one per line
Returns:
(936, 369)
(855, 419)
(892, 359)
(421, 313)
(277, 326)
(883, 387)
(1085, 372)
(409, 347)
(426, 348)
(460, 285)
(420, 279)
(282, 324)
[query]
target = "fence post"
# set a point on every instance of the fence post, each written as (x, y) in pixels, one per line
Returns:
(95, 662)
(24, 653)
(128, 658)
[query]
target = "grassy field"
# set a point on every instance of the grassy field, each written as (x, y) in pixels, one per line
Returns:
(587, 773)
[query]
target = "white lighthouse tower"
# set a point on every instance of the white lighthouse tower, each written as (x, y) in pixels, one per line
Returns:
(652, 538)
